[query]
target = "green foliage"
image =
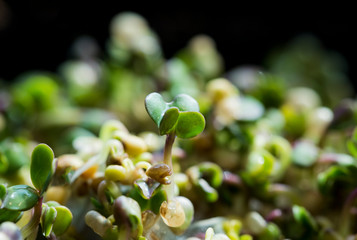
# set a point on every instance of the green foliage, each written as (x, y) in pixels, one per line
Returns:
(271, 232)
(55, 218)
(12, 157)
(7, 215)
(180, 116)
(62, 221)
(304, 218)
(206, 177)
(20, 198)
(35, 92)
(336, 175)
(260, 166)
(2, 191)
(352, 144)
(42, 168)
(236, 177)
(49, 215)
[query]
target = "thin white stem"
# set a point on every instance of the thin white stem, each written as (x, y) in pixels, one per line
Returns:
(170, 139)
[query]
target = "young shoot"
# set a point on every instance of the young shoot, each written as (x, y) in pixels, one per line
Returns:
(180, 118)
(53, 218)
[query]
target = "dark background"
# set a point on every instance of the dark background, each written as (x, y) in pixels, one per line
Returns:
(37, 35)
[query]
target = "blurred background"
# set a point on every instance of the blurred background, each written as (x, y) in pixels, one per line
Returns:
(38, 34)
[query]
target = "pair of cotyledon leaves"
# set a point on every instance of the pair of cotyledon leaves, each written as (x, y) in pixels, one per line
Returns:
(181, 116)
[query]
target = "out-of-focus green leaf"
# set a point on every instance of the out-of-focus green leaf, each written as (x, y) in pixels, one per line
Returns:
(4, 164)
(35, 92)
(180, 78)
(304, 154)
(271, 232)
(210, 193)
(2, 191)
(269, 90)
(260, 165)
(303, 217)
(328, 178)
(280, 149)
(352, 144)
(206, 176)
(214, 172)
(12, 157)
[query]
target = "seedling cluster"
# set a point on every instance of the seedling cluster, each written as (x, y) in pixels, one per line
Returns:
(134, 146)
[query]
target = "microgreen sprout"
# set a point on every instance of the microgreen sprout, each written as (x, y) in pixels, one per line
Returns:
(54, 218)
(273, 162)
(180, 118)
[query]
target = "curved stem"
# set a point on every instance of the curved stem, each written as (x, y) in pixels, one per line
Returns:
(29, 231)
(170, 139)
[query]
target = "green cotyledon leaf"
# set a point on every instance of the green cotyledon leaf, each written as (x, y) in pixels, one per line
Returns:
(20, 198)
(181, 116)
(169, 121)
(42, 166)
(190, 124)
(185, 103)
(156, 107)
(63, 220)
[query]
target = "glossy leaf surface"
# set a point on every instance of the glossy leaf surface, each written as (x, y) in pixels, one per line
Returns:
(42, 166)
(20, 197)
